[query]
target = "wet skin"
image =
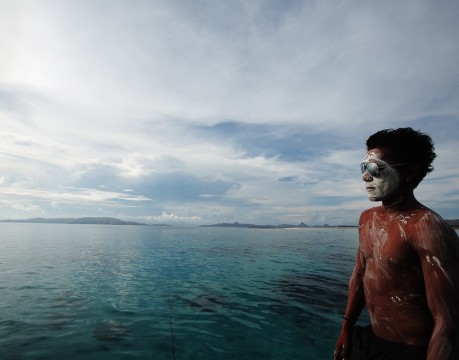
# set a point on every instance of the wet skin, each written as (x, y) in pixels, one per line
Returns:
(407, 269)
(393, 279)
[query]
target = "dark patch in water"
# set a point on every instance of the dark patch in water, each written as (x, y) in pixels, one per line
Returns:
(34, 341)
(111, 331)
(317, 290)
(207, 302)
(58, 322)
(28, 287)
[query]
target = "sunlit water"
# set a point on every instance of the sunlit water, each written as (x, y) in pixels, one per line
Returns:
(135, 292)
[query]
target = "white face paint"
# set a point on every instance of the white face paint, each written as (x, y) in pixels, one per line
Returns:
(387, 182)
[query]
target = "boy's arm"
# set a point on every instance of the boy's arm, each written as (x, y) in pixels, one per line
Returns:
(438, 246)
(355, 304)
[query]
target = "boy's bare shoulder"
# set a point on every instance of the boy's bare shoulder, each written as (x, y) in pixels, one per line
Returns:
(428, 231)
(423, 216)
(368, 213)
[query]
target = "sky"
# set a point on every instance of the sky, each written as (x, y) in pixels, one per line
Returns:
(201, 112)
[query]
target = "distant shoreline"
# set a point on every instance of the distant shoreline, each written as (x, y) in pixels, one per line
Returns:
(282, 226)
(114, 221)
(80, 221)
(453, 223)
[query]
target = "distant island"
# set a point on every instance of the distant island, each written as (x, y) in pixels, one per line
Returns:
(282, 226)
(453, 223)
(113, 221)
(83, 220)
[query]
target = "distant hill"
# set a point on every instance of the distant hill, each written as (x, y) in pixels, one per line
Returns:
(84, 220)
(453, 223)
(252, 226)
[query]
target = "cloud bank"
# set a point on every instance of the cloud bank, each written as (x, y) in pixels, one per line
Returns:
(204, 111)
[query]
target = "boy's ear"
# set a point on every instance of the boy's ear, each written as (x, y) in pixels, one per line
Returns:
(412, 171)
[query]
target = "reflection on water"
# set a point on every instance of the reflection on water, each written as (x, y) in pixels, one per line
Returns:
(101, 292)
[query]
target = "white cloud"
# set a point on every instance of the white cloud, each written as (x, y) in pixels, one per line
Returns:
(69, 195)
(23, 207)
(171, 217)
(104, 96)
(324, 63)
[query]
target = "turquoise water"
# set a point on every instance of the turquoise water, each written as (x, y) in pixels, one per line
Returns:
(133, 292)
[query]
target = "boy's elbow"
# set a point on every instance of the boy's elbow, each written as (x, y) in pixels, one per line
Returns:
(446, 327)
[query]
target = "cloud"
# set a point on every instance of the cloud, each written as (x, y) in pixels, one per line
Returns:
(165, 217)
(254, 109)
(320, 62)
(23, 207)
(28, 199)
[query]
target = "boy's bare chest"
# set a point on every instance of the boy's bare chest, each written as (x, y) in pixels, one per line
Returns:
(386, 243)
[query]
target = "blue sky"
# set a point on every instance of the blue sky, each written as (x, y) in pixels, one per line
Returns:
(198, 112)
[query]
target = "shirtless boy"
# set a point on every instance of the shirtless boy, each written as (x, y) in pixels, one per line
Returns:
(407, 267)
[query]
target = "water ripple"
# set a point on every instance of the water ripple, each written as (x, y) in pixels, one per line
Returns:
(97, 292)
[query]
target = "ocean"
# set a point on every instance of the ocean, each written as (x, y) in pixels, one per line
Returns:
(142, 292)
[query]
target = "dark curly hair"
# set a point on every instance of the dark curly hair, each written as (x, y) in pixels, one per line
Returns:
(408, 146)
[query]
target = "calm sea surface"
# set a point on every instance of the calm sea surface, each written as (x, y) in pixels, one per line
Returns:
(135, 292)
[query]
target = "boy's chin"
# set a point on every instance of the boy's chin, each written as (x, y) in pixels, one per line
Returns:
(374, 198)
